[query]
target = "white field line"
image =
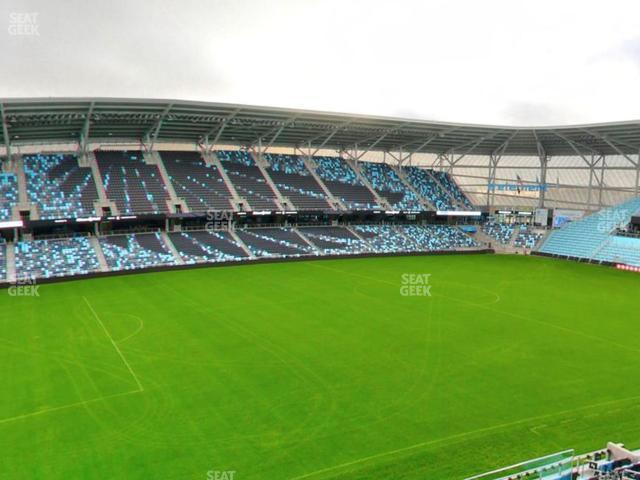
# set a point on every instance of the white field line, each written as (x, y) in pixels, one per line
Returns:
(115, 345)
(64, 407)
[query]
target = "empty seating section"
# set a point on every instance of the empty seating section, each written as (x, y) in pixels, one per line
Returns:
(59, 186)
(334, 240)
(422, 181)
(386, 182)
(129, 252)
(209, 246)
(620, 250)
(452, 187)
(133, 185)
(248, 179)
(525, 238)
(55, 258)
(502, 232)
(385, 238)
(270, 242)
(584, 238)
(438, 237)
(344, 183)
(294, 181)
(200, 185)
(8, 194)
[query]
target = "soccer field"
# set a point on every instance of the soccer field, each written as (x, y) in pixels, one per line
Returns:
(318, 369)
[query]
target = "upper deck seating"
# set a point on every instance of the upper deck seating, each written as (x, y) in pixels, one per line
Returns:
(344, 183)
(8, 195)
(134, 186)
(452, 187)
(422, 181)
(294, 181)
(60, 187)
(200, 185)
(388, 184)
(248, 179)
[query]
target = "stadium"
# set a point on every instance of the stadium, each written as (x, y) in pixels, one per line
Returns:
(396, 298)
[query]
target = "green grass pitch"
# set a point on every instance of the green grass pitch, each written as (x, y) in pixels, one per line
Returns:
(319, 369)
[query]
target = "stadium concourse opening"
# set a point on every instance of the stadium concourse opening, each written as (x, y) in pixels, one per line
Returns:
(101, 187)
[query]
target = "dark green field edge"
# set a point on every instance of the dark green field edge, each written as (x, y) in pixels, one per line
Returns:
(163, 268)
(574, 259)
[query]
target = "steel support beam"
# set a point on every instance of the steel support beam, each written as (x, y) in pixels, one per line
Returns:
(5, 131)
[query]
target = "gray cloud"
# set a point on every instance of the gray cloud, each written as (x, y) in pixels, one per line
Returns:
(378, 57)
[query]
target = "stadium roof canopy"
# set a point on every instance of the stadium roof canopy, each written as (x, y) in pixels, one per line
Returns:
(84, 120)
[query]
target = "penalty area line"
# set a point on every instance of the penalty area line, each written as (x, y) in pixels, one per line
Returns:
(115, 345)
(65, 407)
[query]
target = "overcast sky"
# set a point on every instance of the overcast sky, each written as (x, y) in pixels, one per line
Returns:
(499, 62)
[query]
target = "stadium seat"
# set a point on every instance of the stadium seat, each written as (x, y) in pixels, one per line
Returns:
(386, 182)
(59, 186)
(344, 183)
(248, 179)
(133, 251)
(55, 258)
(294, 181)
(134, 186)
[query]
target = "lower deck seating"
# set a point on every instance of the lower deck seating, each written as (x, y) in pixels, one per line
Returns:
(207, 246)
(55, 258)
(76, 256)
(502, 232)
(624, 250)
(525, 238)
(334, 240)
(133, 251)
(269, 242)
(385, 238)
(438, 237)
(584, 238)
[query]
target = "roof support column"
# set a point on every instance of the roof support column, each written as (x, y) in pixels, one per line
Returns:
(544, 162)
(491, 180)
(601, 191)
(637, 189)
(5, 132)
(591, 176)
